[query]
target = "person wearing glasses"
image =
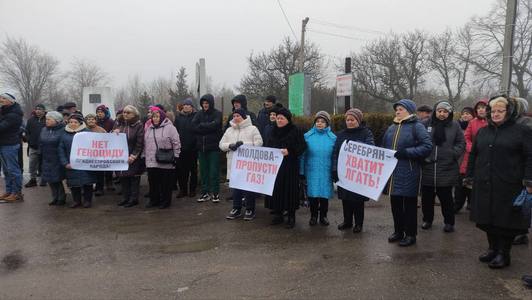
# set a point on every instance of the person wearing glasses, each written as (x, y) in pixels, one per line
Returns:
(500, 167)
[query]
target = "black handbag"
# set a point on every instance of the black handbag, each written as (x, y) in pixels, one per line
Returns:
(163, 156)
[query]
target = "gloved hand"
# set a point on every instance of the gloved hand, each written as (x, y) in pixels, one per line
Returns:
(232, 147)
(334, 176)
(238, 144)
(401, 154)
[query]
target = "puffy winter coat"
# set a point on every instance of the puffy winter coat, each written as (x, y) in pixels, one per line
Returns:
(245, 132)
(33, 130)
(208, 126)
(361, 134)
(10, 124)
(408, 134)
(75, 178)
(51, 170)
(316, 162)
(500, 164)
(442, 167)
(134, 130)
(167, 138)
(187, 136)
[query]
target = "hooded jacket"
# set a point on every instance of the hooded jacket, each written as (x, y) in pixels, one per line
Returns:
(442, 166)
(10, 124)
(207, 126)
(52, 170)
(245, 132)
(244, 104)
(470, 133)
(410, 135)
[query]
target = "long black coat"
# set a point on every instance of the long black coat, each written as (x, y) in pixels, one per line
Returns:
(33, 130)
(75, 178)
(286, 189)
(442, 166)
(52, 170)
(361, 134)
(499, 163)
(187, 136)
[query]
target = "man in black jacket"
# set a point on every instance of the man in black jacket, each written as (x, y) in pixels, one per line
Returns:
(188, 158)
(33, 133)
(10, 122)
(207, 124)
(263, 117)
(240, 102)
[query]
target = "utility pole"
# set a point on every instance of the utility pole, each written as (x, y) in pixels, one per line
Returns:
(302, 50)
(347, 101)
(508, 47)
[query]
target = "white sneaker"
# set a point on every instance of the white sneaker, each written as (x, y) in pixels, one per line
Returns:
(215, 198)
(204, 197)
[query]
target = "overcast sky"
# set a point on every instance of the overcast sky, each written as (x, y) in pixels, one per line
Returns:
(153, 38)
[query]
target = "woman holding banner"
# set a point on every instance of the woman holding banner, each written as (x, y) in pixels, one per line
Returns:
(287, 137)
(241, 132)
(79, 181)
(316, 167)
(412, 142)
(52, 171)
(131, 125)
(161, 150)
(352, 203)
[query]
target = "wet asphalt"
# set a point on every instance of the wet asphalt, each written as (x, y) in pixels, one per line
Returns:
(191, 251)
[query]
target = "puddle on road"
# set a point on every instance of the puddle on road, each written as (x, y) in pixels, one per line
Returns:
(13, 261)
(189, 247)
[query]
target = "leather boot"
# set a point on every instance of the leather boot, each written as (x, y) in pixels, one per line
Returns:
(489, 255)
(324, 208)
(501, 260)
(291, 223)
(313, 211)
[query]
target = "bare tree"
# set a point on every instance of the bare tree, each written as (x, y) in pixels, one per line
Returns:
(392, 67)
(84, 73)
(159, 91)
(449, 57)
(269, 72)
(488, 35)
(27, 69)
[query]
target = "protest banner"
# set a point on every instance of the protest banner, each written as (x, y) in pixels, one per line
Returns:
(365, 169)
(255, 169)
(99, 152)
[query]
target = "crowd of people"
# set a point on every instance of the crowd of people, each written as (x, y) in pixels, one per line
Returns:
(481, 159)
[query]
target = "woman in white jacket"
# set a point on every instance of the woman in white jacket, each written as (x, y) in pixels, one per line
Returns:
(241, 132)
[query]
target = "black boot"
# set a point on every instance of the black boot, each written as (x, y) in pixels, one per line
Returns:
(489, 255)
(324, 208)
(313, 211)
(521, 239)
(502, 259)
(291, 223)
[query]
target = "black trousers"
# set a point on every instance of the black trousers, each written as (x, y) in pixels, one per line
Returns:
(58, 191)
(187, 171)
(404, 210)
(320, 205)
(160, 181)
(353, 208)
(500, 243)
(104, 178)
(461, 195)
(77, 192)
(130, 188)
(445, 194)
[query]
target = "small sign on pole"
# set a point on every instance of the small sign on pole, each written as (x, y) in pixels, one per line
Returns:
(344, 85)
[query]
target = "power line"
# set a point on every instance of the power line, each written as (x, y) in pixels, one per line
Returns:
(286, 19)
(326, 23)
(338, 35)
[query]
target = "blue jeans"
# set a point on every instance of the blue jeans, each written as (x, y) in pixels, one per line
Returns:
(249, 196)
(11, 168)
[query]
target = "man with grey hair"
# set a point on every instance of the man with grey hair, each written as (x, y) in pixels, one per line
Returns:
(10, 123)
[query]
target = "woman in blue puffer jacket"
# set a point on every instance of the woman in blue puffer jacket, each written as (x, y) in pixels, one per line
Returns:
(413, 143)
(316, 165)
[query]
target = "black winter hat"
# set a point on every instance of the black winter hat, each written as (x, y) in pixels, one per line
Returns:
(271, 98)
(285, 112)
(77, 116)
(241, 112)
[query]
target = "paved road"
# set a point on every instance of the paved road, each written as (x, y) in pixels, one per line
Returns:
(191, 252)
